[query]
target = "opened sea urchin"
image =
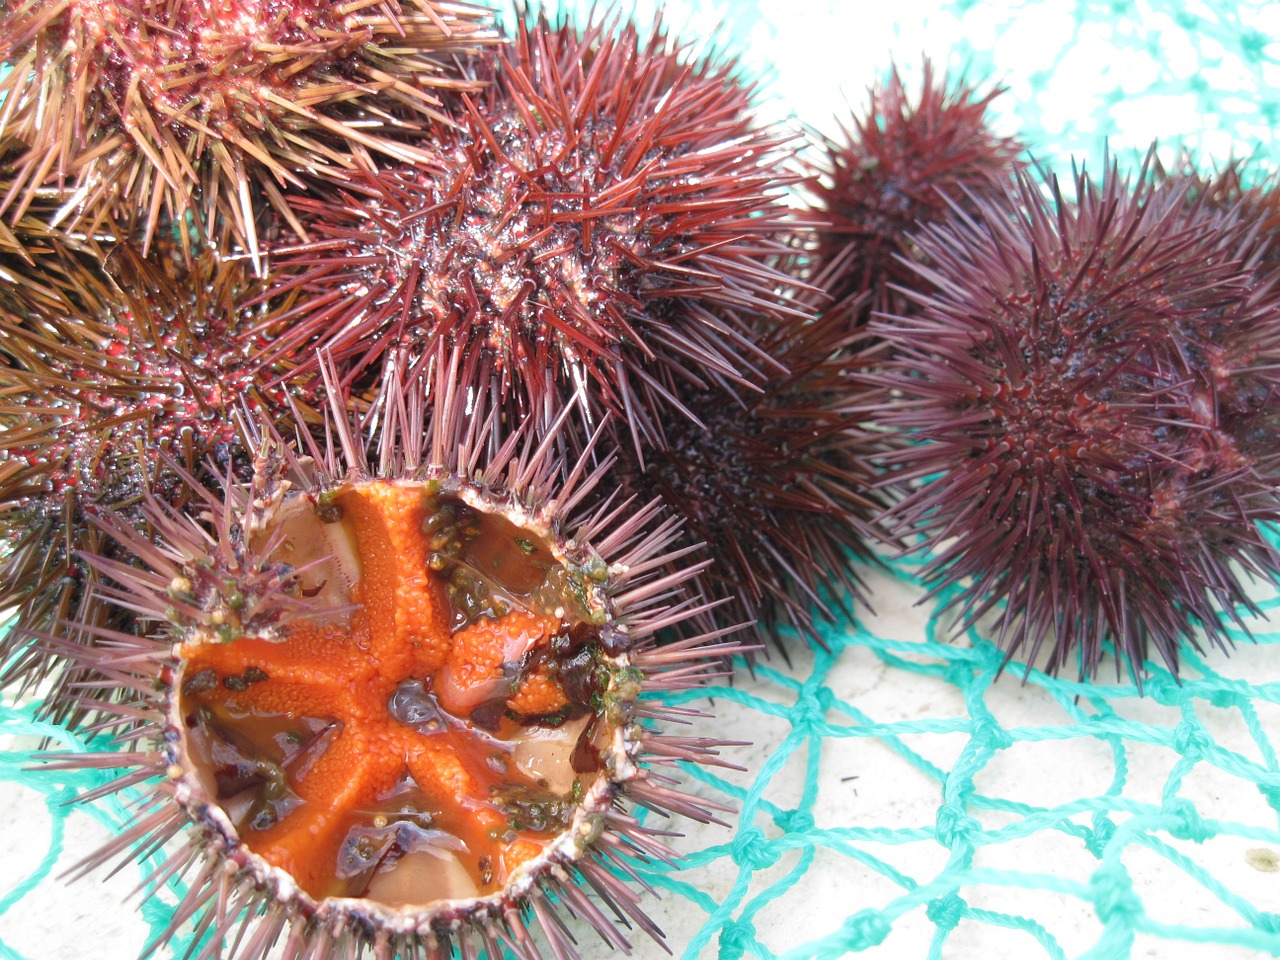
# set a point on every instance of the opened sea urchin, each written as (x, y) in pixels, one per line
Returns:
(399, 703)
(1092, 385)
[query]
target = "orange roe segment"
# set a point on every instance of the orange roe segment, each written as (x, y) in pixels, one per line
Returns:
(305, 842)
(304, 846)
(407, 628)
(538, 696)
(474, 672)
(518, 853)
(308, 655)
(437, 769)
(309, 674)
(355, 768)
(296, 699)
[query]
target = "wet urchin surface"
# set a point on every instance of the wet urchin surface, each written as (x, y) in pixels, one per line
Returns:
(397, 698)
(1091, 381)
(174, 105)
(604, 215)
(900, 166)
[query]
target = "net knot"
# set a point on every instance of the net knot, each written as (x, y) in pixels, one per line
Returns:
(1113, 896)
(946, 911)
(1166, 690)
(794, 821)
(807, 712)
(751, 849)
(864, 929)
(985, 731)
(954, 824)
(735, 938)
(1104, 829)
(1190, 739)
(1187, 823)
(1226, 699)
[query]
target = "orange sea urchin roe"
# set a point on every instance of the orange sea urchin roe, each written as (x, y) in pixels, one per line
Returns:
(421, 748)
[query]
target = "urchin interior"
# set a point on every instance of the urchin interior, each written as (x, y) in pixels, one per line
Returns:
(433, 736)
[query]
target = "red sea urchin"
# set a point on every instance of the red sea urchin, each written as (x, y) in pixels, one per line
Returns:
(778, 484)
(153, 101)
(1092, 385)
(899, 168)
(1237, 189)
(399, 705)
(604, 212)
(31, 239)
(106, 370)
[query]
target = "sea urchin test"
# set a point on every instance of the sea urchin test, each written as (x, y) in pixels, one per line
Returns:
(401, 705)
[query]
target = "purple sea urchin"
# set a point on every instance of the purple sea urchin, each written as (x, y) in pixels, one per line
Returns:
(896, 170)
(153, 102)
(105, 371)
(1092, 387)
(603, 212)
(778, 484)
(398, 703)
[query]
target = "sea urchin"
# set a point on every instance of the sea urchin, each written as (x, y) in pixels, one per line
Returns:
(1092, 385)
(898, 169)
(155, 101)
(779, 484)
(604, 213)
(400, 702)
(111, 366)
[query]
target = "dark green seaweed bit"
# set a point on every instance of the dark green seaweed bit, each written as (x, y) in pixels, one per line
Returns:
(238, 683)
(529, 809)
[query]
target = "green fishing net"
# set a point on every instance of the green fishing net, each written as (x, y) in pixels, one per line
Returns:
(903, 795)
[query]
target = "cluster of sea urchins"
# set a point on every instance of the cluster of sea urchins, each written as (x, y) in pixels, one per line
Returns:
(1086, 385)
(373, 386)
(323, 332)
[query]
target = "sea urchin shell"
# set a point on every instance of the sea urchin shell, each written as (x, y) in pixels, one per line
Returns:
(1093, 387)
(400, 703)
